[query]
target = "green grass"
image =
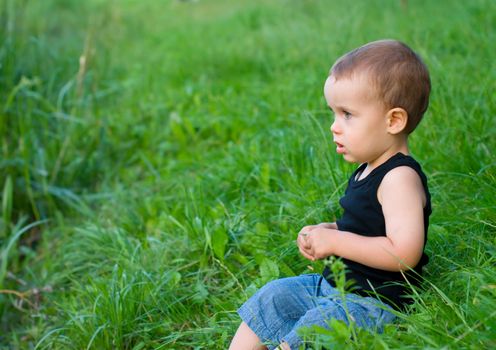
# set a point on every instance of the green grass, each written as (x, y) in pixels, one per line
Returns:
(166, 175)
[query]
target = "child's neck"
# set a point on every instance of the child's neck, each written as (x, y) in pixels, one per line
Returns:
(398, 147)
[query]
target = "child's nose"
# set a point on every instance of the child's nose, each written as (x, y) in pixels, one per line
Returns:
(335, 127)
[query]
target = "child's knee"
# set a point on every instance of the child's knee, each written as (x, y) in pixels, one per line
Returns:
(272, 290)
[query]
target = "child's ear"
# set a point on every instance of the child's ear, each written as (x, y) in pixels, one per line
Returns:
(397, 118)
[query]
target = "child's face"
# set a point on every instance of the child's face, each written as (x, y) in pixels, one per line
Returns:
(360, 123)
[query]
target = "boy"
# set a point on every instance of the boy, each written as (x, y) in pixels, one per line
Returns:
(378, 94)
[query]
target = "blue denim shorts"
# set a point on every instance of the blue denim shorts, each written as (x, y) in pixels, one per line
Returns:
(281, 307)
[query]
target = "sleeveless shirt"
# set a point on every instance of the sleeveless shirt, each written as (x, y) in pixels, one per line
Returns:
(363, 215)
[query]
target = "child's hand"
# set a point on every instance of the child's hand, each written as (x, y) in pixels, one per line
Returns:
(302, 243)
(315, 242)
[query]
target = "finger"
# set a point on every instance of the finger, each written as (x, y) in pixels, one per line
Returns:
(307, 244)
(303, 231)
(307, 229)
(300, 241)
(305, 247)
(303, 241)
(306, 254)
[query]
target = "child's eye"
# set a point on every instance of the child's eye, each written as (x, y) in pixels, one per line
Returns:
(347, 115)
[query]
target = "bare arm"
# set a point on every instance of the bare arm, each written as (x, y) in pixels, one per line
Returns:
(402, 197)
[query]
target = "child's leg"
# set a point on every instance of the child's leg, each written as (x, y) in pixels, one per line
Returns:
(274, 309)
(245, 338)
(279, 309)
(364, 312)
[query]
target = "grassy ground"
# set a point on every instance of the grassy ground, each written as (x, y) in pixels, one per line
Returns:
(158, 159)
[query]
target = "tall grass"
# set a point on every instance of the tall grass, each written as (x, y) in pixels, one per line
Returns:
(177, 147)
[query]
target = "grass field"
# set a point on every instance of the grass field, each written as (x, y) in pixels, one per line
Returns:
(159, 157)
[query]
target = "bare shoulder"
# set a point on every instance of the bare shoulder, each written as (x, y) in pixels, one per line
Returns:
(401, 182)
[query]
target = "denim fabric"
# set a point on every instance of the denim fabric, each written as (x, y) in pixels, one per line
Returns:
(281, 307)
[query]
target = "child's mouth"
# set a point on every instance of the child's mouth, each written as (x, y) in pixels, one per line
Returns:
(339, 148)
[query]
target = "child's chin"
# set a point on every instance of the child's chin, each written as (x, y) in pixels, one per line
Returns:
(349, 158)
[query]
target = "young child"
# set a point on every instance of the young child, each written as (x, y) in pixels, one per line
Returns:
(378, 94)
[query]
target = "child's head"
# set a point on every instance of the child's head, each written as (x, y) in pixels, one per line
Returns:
(397, 75)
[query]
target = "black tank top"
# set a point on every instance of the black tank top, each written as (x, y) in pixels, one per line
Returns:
(363, 215)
